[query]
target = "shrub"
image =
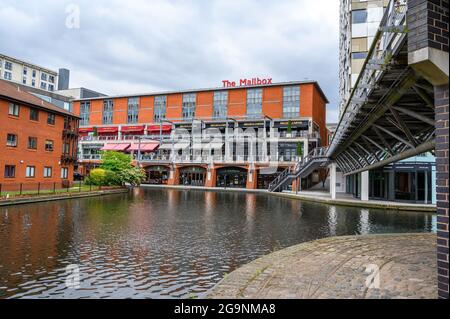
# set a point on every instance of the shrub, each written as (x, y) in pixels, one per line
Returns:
(97, 177)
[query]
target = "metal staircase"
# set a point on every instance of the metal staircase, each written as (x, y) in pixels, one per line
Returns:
(317, 158)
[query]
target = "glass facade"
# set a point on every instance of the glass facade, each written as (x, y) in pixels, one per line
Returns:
(291, 102)
(189, 105)
(254, 102)
(160, 106)
(108, 107)
(220, 109)
(85, 108)
(133, 110)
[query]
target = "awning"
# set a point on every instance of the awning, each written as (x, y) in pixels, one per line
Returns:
(116, 147)
(111, 129)
(145, 147)
(157, 128)
(85, 129)
(139, 128)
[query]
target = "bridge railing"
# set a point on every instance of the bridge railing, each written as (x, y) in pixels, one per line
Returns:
(317, 153)
(390, 33)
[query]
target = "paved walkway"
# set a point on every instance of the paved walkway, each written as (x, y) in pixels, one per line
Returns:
(337, 268)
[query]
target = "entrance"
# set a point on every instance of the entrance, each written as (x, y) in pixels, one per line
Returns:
(232, 177)
(193, 176)
(265, 179)
(157, 175)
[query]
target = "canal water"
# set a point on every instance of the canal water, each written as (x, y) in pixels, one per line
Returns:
(163, 243)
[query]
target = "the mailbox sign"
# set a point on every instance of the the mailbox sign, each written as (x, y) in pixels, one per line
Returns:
(247, 82)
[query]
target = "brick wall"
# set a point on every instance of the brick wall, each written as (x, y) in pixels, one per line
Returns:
(442, 161)
(427, 22)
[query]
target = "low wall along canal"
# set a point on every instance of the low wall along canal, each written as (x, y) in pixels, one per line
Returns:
(153, 243)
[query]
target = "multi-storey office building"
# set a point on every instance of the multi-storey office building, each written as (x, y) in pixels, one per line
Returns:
(205, 137)
(359, 22)
(39, 141)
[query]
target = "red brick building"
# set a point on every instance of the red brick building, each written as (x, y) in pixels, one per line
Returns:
(38, 141)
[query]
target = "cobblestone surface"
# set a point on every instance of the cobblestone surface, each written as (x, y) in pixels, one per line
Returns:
(338, 267)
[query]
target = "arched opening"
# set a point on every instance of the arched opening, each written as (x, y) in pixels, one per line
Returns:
(193, 176)
(232, 177)
(157, 175)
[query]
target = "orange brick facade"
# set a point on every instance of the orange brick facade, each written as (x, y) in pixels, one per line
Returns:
(312, 105)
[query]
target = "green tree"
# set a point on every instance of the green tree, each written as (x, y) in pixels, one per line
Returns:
(120, 170)
(97, 177)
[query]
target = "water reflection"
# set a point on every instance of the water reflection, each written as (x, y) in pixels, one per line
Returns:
(164, 243)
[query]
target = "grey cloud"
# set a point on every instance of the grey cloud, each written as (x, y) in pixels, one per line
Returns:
(135, 46)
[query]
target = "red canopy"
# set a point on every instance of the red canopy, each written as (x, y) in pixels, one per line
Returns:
(145, 147)
(111, 129)
(85, 129)
(157, 128)
(139, 128)
(116, 147)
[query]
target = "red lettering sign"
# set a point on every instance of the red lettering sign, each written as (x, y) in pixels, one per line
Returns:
(247, 82)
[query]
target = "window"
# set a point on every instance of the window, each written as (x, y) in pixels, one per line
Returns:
(85, 108)
(254, 102)
(11, 140)
(34, 73)
(51, 87)
(43, 76)
(291, 101)
(13, 109)
(189, 103)
(359, 55)
(220, 104)
(25, 70)
(160, 108)
(48, 172)
(108, 106)
(64, 172)
(51, 119)
(133, 110)
(34, 115)
(8, 66)
(359, 16)
(32, 143)
(30, 171)
(7, 75)
(24, 80)
(43, 86)
(49, 145)
(10, 171)
(51, 78)
(33, 82)
(66, 148)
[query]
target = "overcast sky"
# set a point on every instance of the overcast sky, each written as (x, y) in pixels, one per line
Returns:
(127, 47)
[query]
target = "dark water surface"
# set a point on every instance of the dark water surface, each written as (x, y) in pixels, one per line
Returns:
(164, 243)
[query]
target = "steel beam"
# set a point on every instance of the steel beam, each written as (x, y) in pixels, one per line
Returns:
(394, 136)
(415, 115)
(422, 148)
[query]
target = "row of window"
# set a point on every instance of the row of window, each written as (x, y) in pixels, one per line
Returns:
(291, 106)
(7, 75)
(14, 110)
(30, 172)
(12, 140)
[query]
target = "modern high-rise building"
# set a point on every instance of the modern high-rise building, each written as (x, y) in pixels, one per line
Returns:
(359, 22)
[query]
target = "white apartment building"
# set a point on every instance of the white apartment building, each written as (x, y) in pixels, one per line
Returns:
(359, 22)
(31, 75)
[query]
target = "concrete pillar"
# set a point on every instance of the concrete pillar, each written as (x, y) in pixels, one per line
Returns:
(365, 186)
(333, 180)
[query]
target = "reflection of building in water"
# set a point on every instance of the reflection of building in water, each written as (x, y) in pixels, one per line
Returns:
(332, 220)
(364, 222)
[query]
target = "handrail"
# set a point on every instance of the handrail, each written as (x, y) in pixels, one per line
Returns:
(316, 154)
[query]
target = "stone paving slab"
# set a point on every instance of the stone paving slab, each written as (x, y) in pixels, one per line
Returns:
(340, 267)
